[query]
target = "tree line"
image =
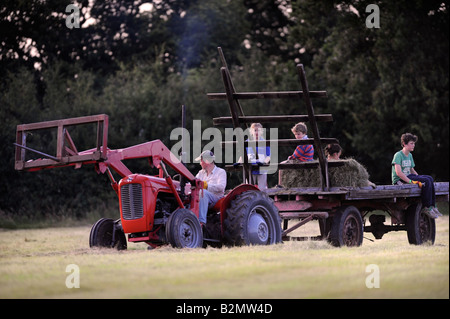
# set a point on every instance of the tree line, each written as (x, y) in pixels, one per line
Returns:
(139, 61)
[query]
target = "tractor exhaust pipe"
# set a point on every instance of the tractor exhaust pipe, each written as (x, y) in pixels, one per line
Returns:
(183, 148)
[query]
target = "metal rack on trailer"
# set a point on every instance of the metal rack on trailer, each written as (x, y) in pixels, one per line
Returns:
(339, 210)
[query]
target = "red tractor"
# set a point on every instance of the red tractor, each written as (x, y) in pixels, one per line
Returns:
(157, 209)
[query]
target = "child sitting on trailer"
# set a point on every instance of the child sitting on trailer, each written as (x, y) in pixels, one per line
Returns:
(403, 172)
(303, 153)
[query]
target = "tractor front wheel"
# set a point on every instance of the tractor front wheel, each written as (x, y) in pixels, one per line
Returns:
(107, 233)
(183, 229)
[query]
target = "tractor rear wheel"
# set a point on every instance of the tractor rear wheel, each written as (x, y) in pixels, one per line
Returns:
(252, 219)
(107, 233)
(183, 229)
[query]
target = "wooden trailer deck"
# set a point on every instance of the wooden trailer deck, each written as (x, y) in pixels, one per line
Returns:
(362, 193)
(312, 203)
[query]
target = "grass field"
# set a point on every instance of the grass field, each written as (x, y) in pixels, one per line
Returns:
(33, 265)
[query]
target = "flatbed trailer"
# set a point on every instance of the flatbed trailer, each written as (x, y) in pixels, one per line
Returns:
(341, 211)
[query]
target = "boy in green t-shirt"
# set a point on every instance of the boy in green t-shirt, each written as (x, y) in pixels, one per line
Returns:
(403, 172)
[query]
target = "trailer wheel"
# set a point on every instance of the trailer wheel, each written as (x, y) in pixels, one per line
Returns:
(107, 233)
(252, 219)
(183, 229)
(346, 227)
(420, 228)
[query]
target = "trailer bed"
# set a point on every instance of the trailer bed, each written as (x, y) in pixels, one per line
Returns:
(361, 193)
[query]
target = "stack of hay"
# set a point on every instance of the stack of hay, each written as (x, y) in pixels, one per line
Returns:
(350, 174)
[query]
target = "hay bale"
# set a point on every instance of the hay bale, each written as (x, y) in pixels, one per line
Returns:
(351, 174)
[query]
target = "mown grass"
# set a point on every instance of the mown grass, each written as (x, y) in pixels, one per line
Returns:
(33, 265)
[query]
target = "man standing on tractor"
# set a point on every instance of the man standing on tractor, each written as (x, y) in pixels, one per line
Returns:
(214, 183)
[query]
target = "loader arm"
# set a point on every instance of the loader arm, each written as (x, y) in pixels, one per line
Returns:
(104, 158)
(155, 151)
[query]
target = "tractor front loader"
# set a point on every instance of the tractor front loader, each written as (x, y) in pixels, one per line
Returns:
(157, 209)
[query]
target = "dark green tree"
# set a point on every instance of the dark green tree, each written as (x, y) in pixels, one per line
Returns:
(385, 81)
(270, 26)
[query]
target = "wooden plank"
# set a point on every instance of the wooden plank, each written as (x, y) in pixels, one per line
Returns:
(287, 142)
(292, 205)
(315, 130)
(21, 139)
(105, 137)
(266, 95)
(301, 223)
(362, 193)
(66, 151)
(232, 103)
(70, 148)
(314, 164)
(292, 215)
(60, 141)
(303, 165)
(239, 166)
(272, 119)
(230, 81)
(234, 109)
(64, 161)
(63, 122)
(308, 165)
(393, 191)
(316, 191)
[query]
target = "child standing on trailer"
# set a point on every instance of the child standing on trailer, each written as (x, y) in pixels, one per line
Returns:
(403, 172)
(261, 157)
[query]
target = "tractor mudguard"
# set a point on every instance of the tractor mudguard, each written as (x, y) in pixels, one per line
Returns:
(225, 201)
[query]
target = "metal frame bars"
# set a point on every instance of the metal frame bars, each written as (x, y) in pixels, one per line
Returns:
(66, 151)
